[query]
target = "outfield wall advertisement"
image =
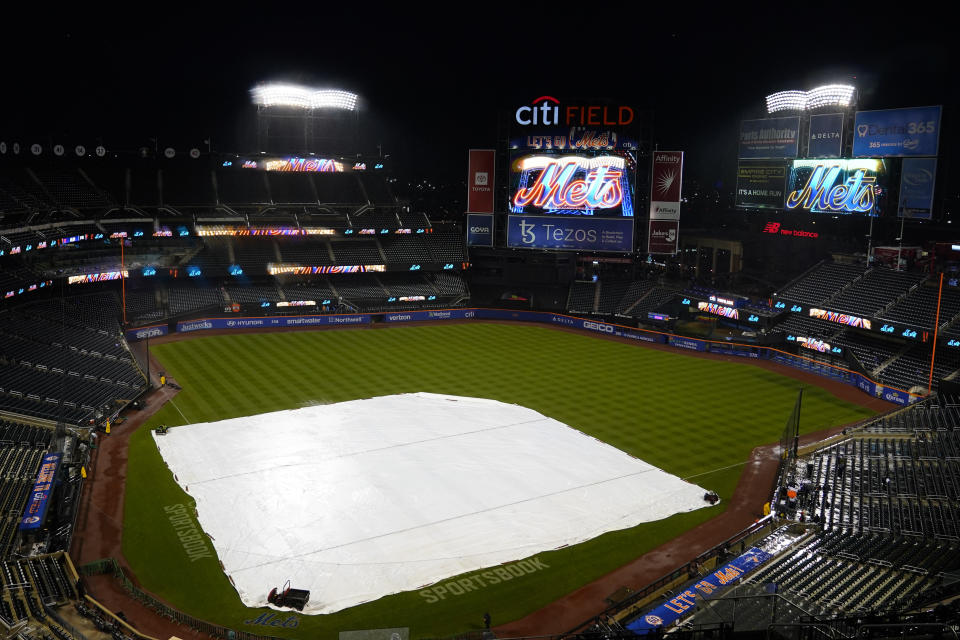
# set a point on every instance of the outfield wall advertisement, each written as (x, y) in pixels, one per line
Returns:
(205, 324)
(594, 326)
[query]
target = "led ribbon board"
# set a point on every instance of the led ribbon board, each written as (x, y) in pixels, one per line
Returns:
(578, 185)
(835, 186)
(719, 310)
(840, 318)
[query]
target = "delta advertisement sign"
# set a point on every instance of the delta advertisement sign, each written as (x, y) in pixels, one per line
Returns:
(836, 186)
(580, 185)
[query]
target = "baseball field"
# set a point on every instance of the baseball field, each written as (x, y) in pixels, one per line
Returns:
(693, 417)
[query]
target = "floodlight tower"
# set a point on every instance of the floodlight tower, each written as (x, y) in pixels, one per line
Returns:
(295, 119)
(828, 98)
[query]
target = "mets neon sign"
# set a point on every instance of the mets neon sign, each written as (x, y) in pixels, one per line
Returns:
(571, 183)
(826, 191)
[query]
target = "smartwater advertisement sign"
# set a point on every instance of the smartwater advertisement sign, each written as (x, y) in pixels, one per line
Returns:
(917, 179)
(770, 138)
(269, 322)
(826, 136)
(569, 233)
(479, 230)
(897, 132)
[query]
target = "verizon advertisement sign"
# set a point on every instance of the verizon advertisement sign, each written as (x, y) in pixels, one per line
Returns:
(480, 181)
(665, 186)
(663, 236)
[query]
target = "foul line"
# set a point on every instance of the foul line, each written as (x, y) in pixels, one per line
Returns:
(729, 466)
(178, 410)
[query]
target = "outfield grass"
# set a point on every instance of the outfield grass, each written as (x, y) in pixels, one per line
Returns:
(688, 415)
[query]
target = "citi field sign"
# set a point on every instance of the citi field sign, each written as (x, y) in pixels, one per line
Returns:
(547, 111)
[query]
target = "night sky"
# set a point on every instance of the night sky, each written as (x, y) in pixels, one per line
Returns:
(433, 85)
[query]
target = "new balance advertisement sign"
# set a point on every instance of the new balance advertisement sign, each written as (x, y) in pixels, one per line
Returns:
(480, 181)
(479, 229)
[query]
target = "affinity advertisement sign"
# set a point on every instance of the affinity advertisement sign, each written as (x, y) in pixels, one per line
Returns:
(917, 179)
(271, 321)
(687, 601)
(665, 185)
(837, 186)
(761, 184)
(663, 236)
(479, 229)
(576, 234)
(574, 185)
(826, 136)
(769, 138)
(897, 132)
(480, 174)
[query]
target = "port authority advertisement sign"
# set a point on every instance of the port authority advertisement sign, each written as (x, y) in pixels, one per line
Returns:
(761, 184)
(897, 132)
(570, 233)
(770, 138)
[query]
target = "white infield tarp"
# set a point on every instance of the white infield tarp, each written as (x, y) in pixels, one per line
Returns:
(361, 499)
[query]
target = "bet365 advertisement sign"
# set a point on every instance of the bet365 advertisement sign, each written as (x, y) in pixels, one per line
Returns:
(897, 132)
(570, 233)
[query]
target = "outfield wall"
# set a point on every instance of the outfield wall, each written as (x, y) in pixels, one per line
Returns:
(839, 374)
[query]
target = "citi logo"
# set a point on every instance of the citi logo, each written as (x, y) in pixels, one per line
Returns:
(541, 112)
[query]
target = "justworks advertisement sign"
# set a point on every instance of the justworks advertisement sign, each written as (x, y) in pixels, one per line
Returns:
(547, 111)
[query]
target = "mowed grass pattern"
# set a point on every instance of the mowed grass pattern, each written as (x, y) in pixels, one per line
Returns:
(693, 417)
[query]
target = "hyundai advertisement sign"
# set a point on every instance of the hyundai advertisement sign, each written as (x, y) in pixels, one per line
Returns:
(479, 229)
(897, 132)
(571, 234)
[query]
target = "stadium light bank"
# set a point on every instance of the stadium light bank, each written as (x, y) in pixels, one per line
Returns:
(829, 95)
(301, 97)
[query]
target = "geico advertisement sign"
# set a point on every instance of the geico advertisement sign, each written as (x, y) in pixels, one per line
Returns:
(547, 111)
(597, 326)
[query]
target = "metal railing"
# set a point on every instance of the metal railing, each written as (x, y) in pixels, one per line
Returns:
(110, 566)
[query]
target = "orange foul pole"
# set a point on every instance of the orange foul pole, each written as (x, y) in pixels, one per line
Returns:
(123, 285)
(936, 328)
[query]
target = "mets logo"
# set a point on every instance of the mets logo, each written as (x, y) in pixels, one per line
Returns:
(653, 620)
